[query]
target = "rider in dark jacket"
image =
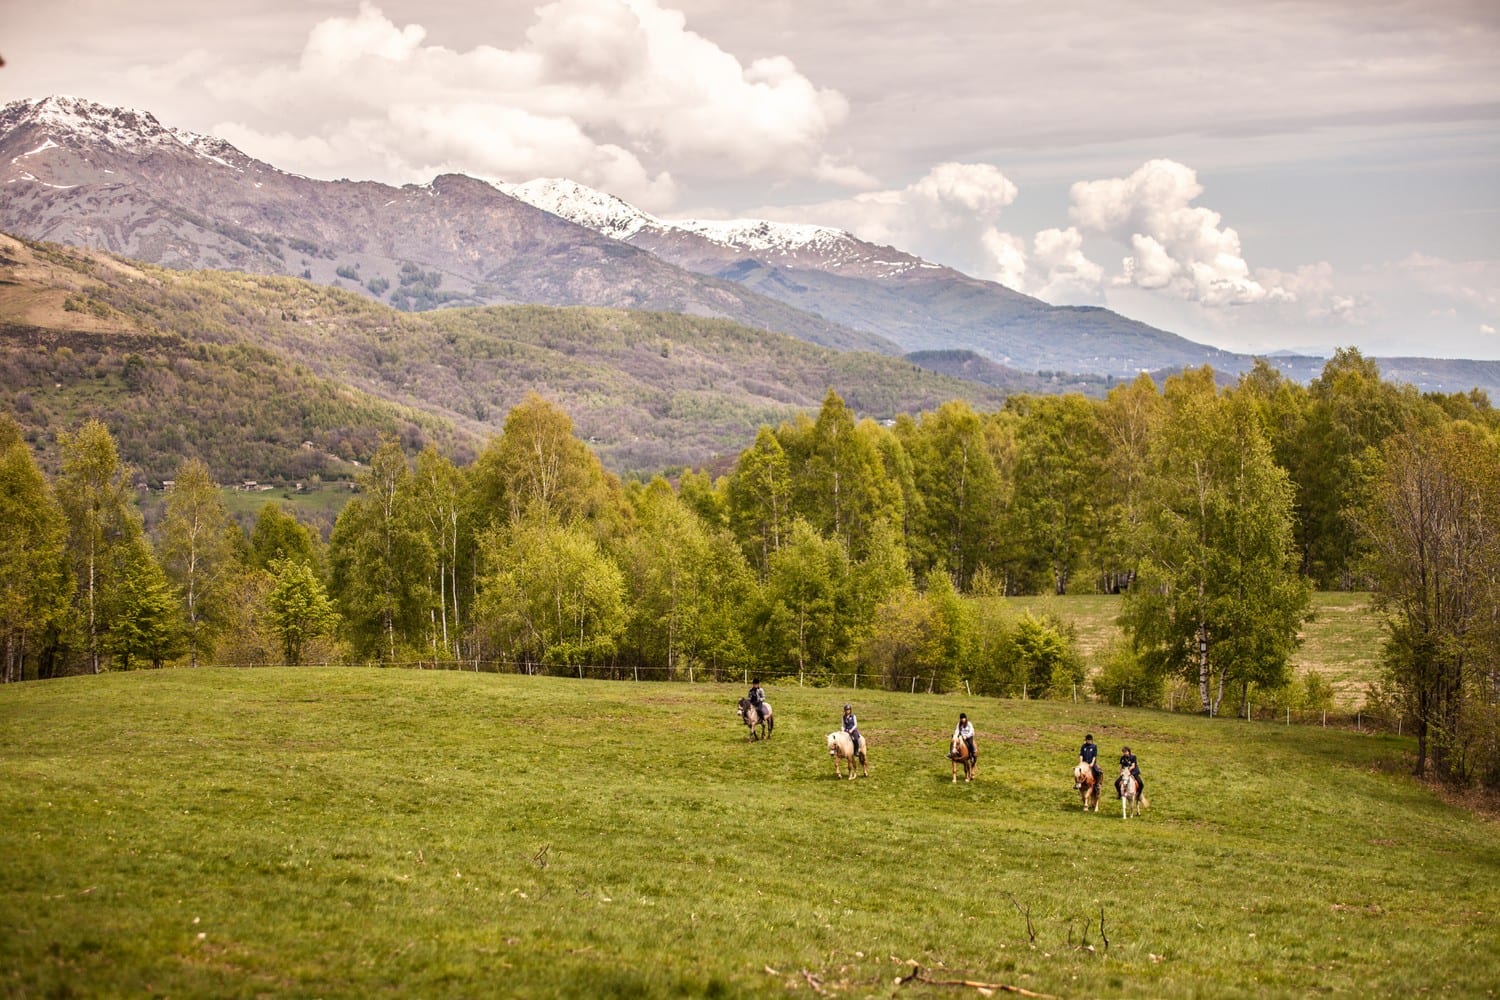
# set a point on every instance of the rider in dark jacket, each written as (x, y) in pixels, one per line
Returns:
(1127, 759)
(1089, 754)
(757, 697)
(851, 726)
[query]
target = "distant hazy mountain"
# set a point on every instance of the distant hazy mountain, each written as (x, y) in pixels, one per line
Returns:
(89, 175)
(920, 305)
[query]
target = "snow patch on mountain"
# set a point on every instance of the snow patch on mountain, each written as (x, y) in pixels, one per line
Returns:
(603, 213)
(788, 244)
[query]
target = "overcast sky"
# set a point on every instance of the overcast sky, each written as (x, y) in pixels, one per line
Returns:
(1260, 176)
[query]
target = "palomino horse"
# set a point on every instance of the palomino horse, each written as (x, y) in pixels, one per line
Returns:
(1086, 786)
(841, 748)
(753, 717)
(958, 753)
(1131, 798)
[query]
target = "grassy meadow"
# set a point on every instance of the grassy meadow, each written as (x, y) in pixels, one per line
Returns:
(1341, 641)
(366, 832)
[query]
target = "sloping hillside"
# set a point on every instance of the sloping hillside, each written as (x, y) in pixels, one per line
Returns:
(181, 362)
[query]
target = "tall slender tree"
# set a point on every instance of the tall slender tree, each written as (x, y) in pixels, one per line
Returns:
(35, 583)
(1218, 597)
(1433, 520)
(94, 491)
(198, 543)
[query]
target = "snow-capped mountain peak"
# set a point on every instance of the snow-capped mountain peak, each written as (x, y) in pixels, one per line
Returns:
(786, 244)
(596, 210)
(77, 122)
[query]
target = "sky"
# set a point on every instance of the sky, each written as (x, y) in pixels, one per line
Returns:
(1261, 176)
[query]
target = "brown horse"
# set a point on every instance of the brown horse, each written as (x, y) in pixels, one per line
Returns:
(752, 717)
(958, 753)
(841, 748)
(1086, 787)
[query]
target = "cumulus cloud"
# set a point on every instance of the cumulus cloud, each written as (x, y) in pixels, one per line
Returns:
(1175, 245)
(946, 215)
(607, 92)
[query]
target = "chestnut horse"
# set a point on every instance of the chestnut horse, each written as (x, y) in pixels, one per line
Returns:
(752, 717)
(1086, 787)
(841, 748)
(958, 753)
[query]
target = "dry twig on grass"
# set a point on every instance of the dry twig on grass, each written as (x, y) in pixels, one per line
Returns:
(917, 977)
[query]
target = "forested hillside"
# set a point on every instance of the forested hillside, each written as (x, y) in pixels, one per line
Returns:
(240, 370)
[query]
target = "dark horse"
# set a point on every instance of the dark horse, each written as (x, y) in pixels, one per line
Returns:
(753, 717)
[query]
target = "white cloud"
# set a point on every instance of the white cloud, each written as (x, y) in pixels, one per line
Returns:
(608, 92)
(1175, 245)
(946, 215)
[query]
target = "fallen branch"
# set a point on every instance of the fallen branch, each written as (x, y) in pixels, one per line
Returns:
(917, 977)
(1102, 935)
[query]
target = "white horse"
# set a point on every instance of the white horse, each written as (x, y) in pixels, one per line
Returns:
(1086, 787)
(1131, 798)
(841, 748)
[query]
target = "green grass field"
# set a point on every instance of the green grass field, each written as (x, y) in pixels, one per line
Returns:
(364, 832)
(1341, 641)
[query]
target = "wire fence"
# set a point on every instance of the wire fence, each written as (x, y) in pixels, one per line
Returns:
(1360, 719)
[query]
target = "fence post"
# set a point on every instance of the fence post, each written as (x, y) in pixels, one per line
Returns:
(637, 669)
(690, 673)
(1289, 715)
(913, 683)
(1122, 697)
(856, 680)
(966, 688)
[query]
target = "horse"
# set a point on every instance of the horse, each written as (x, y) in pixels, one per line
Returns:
(958, 753)
(1086, 786)
(752, 717)
(842, 748)
(1131, 798)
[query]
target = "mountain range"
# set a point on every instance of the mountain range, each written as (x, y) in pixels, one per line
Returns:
(86, 174)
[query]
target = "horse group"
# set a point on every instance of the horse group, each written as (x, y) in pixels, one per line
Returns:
(844, 753)
(1131, 799)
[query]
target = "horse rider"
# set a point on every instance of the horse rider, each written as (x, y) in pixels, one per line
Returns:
(1089, 754)
(965, 732)
(851, 726)
(1127, 759)
(757, 697)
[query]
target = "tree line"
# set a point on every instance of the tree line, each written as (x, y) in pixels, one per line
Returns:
(830, 546)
